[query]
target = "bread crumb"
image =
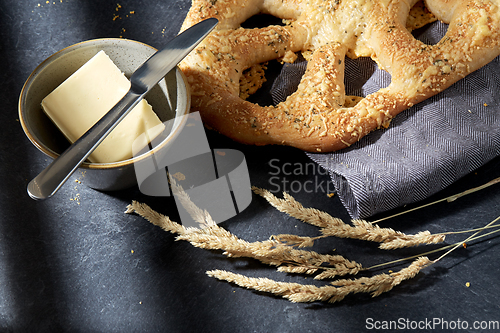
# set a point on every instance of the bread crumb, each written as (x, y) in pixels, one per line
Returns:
(179, 176)
(467, 284)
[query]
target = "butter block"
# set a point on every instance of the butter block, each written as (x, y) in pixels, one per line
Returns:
(86, 96)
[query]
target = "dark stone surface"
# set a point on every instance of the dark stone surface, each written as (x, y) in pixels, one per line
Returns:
(77, 263)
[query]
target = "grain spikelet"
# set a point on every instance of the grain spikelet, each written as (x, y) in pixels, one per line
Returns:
(295, 209)
(391, 239)
(345, 268)
(155, 218)
(298, 269)
(201, 216)
(423, 237)
(294, 240)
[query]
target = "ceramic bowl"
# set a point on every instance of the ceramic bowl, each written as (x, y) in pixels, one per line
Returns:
(170, 100)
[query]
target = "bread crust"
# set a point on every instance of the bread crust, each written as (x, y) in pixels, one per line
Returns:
(319, 117)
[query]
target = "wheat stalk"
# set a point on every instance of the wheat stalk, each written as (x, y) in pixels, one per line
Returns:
(447, 199)
(469, 238)
(201, 216)
(361, 229)
(271, 252)
(453, 246)
(155, 218)
(335, 292)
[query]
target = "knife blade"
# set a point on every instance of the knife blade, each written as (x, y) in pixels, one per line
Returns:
(142, 80)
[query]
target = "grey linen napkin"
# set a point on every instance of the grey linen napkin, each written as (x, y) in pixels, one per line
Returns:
(425, 149)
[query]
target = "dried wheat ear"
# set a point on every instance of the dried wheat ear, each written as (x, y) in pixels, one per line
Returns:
(285, 251)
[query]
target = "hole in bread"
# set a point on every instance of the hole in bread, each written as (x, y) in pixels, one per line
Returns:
(262, 21)
(263, 94)
(432, 33)
(362, 77)
(419, 22)
(257, 81)
(419, 16)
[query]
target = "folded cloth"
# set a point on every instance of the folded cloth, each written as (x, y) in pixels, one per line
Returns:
(426, 148)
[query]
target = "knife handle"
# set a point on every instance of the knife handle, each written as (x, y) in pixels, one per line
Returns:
(55, 175)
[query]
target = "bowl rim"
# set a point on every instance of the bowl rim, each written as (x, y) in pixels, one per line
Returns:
(90, 165)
